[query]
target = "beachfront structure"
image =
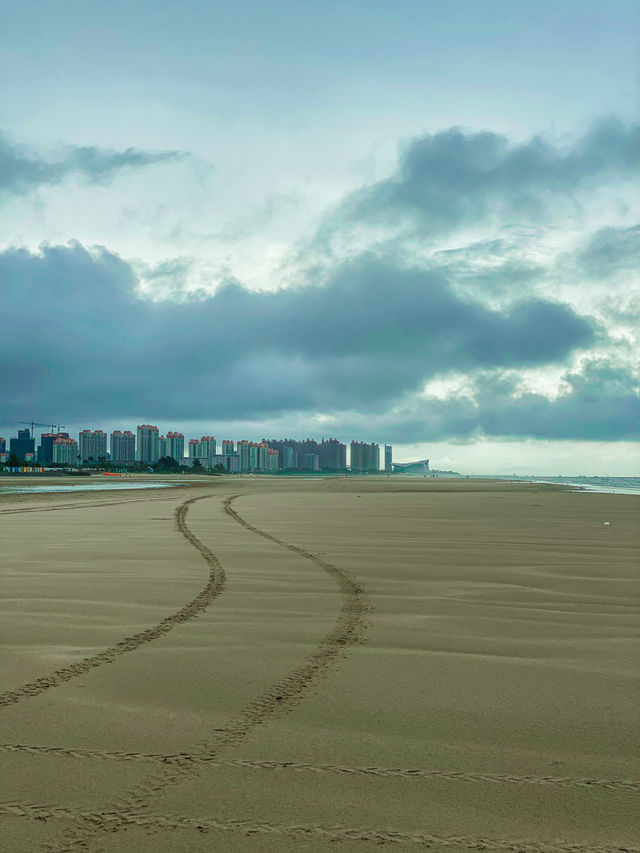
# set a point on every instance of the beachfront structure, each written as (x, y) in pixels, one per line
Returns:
(123, 446)
(92, 445)
(388, 458)
(419, 467)
(147, 444)
(365, 458)
(65, 451)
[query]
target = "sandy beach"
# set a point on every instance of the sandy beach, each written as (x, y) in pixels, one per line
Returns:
(269, 664)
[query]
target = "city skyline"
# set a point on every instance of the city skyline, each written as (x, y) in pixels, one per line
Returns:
(148, 447)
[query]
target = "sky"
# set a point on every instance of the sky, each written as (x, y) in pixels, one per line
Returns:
(415, 223)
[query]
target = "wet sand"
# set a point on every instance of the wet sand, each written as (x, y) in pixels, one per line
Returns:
(259, 664)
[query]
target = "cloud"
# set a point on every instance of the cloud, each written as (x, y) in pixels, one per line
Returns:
(82, 342)
(611, 250)
(24, 170)
(454, 179)
(601, 402)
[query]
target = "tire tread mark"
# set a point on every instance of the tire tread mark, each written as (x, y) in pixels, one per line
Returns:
(110, 821)
(60, 507)
(630, 785)
(280, 698)
(213, 588)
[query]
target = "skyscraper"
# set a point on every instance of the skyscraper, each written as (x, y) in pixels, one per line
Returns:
(65, 451)
(365, 458)
(23, 444)
(388, 458)
(290, 458)
(333, 455)
(148, 444)
(92, 446)
(45, 448)
(243, 453)
(208, 451)
(373, 460)
(174, 446)
(204, 450)
(123, 446)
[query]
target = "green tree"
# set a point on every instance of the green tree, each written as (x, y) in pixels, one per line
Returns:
(166, 463)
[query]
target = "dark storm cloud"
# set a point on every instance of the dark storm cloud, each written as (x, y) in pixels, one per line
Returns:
(23, 170)
(453, 178)
(601, 403)
(79, 341)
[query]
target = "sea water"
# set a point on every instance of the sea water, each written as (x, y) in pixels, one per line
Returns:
(90, 487)
(603, 485)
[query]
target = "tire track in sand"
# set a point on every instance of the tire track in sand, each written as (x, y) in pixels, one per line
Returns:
(111, 821)
(60, 507)
(213, 588)
(279, 699)
(631, 786)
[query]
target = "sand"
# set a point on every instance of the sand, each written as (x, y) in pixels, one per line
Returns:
(259, 664)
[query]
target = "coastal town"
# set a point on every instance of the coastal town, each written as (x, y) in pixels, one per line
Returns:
(147, 449)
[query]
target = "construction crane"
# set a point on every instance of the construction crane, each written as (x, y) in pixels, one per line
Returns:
(33, 424)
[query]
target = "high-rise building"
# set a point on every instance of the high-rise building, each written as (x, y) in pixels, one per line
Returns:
(23, 444)
(311, 462)
(253, 456)
(45, 448)
(388, 458)
(92, 445)
(263, 457)
(208, 451)
(3, 445)
(148, 444)
(123, 447)
(290, 458)
(243, 453)
(333, 455)
(174, 446)
(227, 447)
(373, 458)
(203, 449)
(365, 458)
(65, 451)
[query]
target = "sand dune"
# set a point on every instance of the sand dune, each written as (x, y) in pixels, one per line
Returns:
(262, 664)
